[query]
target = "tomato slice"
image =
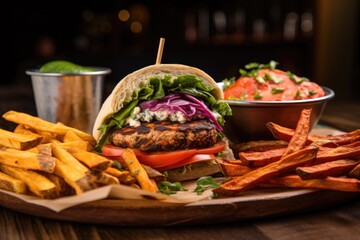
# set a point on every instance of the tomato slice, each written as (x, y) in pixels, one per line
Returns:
(216, 148)
(164, 159)
(112, 151)
(160, 159)
(192, 159)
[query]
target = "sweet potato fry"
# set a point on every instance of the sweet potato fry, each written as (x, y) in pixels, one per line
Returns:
(27, 160)
(351, 150)
(36, 183)
(286, 164)
(43, 125)
(257, 146)
(259, 159)
(323, 170)
(328, 183)
(11, 184)
(299, 138)
(17, 140)
(90, 159)
(355, 172)
(285, 134)
(231, 169)
(138, 171)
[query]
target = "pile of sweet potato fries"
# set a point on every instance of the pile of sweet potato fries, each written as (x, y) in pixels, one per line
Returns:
(297, 159)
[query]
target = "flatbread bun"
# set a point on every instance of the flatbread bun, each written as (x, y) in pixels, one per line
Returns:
(124, 89)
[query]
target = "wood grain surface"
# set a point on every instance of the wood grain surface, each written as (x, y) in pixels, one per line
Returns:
(155, 213)
(338, 222)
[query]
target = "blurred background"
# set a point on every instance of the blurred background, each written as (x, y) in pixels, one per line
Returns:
(317, 39)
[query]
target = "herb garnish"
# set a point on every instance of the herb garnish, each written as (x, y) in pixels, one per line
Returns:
(205, 183)
(252, 69)
(168, 188)
(227, 82)
(117, 164)
(277, 90)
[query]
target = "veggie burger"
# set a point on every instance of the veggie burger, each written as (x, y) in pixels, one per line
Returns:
(170, 115)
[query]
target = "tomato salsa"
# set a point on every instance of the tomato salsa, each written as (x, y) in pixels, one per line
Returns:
(263, 82)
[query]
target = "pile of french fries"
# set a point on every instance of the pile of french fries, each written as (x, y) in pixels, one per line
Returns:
(305, 161)
(52, 160)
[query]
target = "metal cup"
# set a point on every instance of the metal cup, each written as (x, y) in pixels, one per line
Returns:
(71, 99)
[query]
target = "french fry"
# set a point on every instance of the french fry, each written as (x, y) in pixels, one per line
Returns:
(328, 183)
(76, 144)
(129, 180)
(103, 178)
(65, 157)
(259, 159)
(323, 170)
(21, 129)
(78, 180)
(17, 140)
(121, 175)
(299, 138)
(42, 125)
(62, 187)
(27, 160)
(90, 159)
(70, 136)
(286, 164)
(36, 183)
(138, 171)
(11, 184)
(44, 149)
(46, 137)
(232, 169)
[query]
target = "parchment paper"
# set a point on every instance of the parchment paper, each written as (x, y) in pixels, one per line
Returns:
(188, 197)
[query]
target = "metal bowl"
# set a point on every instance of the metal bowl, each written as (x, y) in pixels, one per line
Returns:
(249, 118)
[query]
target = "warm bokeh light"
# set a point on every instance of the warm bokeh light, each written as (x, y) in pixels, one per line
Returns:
(123, 15)
(136, 27)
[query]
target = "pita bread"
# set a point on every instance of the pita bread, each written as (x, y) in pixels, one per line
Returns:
(123, 91)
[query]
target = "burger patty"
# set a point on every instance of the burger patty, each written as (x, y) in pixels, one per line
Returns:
(166, 136)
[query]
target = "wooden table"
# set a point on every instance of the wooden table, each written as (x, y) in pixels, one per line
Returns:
(337, 222)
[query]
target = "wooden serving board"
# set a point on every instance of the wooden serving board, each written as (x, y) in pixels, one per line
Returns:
(253, 205)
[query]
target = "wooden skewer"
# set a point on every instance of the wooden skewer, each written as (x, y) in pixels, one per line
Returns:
(160, 50)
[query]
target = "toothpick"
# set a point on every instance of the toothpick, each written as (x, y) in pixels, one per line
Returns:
(160, 50)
